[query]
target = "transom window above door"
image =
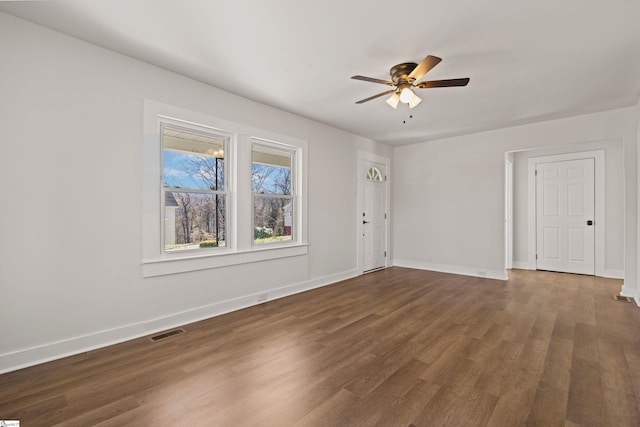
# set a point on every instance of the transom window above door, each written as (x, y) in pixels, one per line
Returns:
(373, 174)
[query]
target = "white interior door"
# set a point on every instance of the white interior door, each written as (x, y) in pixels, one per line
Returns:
(565, 208)
(374, 220)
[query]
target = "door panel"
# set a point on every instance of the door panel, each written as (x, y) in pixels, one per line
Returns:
(577, 244)
(551, 202)
(551, 239)
(564, 203)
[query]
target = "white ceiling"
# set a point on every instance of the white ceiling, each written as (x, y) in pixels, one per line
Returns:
(528, 60)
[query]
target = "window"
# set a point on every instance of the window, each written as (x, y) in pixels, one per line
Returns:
(194, 189)
(198, 207)
(272, 185)
(373, 174)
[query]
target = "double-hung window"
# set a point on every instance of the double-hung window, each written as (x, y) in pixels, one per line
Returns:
(274, 193)
(217, 193)
(194, 189)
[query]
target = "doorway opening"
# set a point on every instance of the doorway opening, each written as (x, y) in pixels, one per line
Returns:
(546, 214)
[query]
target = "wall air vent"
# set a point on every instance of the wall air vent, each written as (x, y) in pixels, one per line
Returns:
(167, 334)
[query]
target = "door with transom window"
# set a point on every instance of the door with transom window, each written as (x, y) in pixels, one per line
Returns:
(374, 217)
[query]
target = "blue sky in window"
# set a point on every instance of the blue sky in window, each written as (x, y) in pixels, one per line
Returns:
(182, 170)
(269, 179)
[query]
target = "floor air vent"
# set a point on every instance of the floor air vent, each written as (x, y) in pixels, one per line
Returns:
(166, 334)
(622, 299)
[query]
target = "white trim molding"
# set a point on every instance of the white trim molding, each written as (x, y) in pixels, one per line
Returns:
(522, 265)
(628, 291)
(452, 269)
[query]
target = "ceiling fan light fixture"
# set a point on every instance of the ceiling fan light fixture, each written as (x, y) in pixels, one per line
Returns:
(393, 100)
(404, 77)
(415, 101)
(406, 95)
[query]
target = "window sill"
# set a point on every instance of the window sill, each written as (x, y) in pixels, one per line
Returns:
(184, 264)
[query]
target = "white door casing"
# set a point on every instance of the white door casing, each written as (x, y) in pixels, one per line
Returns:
(565, 213)
(508, 212)
(374, 216)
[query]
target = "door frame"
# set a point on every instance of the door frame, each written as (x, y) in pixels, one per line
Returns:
(599, 197)
(362, 157)
(508, 211)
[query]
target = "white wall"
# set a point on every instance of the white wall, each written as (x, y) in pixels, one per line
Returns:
(448, 195)
(614, 201)
(70, 254)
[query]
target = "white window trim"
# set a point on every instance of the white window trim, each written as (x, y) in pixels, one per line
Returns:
(240, 249)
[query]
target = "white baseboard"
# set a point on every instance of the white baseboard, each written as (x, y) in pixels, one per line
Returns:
(611, 274)
(522, 265)
(57, 350)
(452, 269)
(627, 291)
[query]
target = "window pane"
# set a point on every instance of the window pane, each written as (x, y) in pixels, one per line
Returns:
(192, 160)
(373, 174)
(194, 220)
(271, 171)
(273, 219)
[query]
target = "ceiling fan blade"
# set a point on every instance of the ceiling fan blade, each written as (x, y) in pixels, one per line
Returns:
(443, 83)
(372, 80)
(375, 96)
(423, 68)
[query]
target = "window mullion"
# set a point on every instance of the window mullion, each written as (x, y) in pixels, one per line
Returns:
(189, 190)
(274, 196)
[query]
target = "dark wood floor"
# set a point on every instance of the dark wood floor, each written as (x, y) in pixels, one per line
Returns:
(397, 347)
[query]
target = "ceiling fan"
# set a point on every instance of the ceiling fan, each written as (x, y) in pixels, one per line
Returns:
(404, 77)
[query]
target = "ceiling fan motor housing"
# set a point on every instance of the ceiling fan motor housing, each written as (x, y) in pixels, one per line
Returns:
(400, 73)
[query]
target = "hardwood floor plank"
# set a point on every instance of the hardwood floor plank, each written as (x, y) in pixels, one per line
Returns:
(402, 411)
(517, 396)
(100, 414)
(397, 347)
(549, 406)
(331, 412)
(392, 389)
(586, 404)
(621, 403)
(633, 373)
(495, 374)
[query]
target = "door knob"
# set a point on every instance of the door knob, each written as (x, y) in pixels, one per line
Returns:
(589, 222)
